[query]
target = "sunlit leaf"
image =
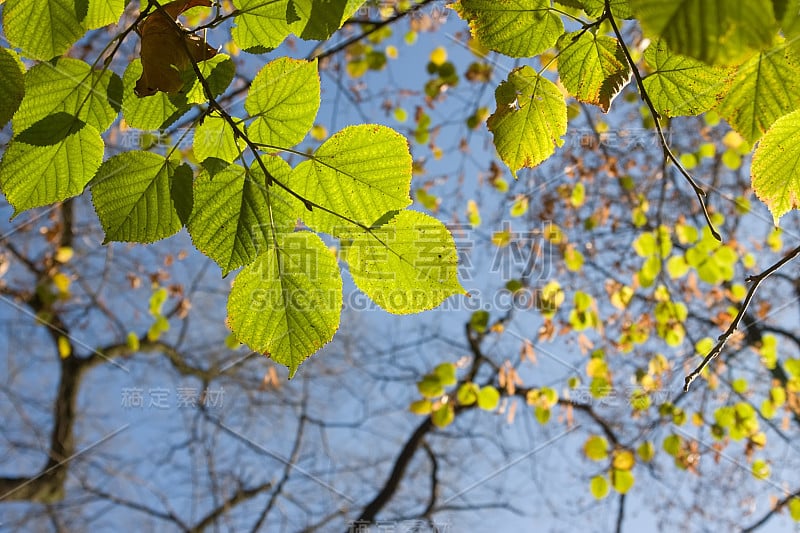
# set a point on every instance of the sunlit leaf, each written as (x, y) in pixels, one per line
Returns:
(592, 67)
(237, 216)
(713, 31)
(132, 196)
(775, 178)
(530, 118)
(516, 28)
(284, 98)
(765, 88)
(681, 85)
(406, 265)
(287, 303)
(42, 29)
(360, 173)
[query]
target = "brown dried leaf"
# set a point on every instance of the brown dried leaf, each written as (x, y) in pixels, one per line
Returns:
(164, 48)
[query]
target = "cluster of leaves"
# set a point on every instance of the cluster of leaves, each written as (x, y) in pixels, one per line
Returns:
(240, 201)
(743, 63)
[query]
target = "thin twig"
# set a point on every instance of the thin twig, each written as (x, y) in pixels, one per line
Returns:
(698, 191)
(756, 281)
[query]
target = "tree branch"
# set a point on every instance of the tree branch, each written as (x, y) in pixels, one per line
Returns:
(756, 282)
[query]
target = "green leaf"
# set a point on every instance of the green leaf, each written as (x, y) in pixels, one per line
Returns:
(713, 31)
(218, 72)
(467, 394)
(446, 373)
(443, 416)
(132, 196)
(151, 112)
(42, 29)
(288, 302)
(761, 469)
(103, 12)
(12, 84)
(623, 460)
(421, 407)
(430, 386)
(794, 509)
(260, 26)
(775, 163)
(646, 451)
(318, 20)
(33, 176)
(680, 85)
(70, 86)
(516, 28)
(215, 138)
(284, 97)
(237, 216)
(599, 488)
(764, 89)
(530, 119)
(622, 480)
(360, 173)
(407, 265)
(621, 9)
(592, 67)
(488, 398)
(596, 448)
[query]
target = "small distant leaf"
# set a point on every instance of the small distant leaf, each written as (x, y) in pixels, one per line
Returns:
(488, 398)
(530, 118)
(284, 98)
(761, 469)
(430, 386)
(599, 487)
(519, 207)
(775, 179)
(288, 302)
(443, 416)
(681, 85)
(622, 480)
(794, 509)
(623, 460)
(592, 67)
(467, 394)
(132, 196)
(446, 373)
(596, 448)
(421, 407)
(646, 451)
(406, 265)
(511, 27)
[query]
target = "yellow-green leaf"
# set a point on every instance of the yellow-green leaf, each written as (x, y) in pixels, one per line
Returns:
(530, 118)
(592, 67)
